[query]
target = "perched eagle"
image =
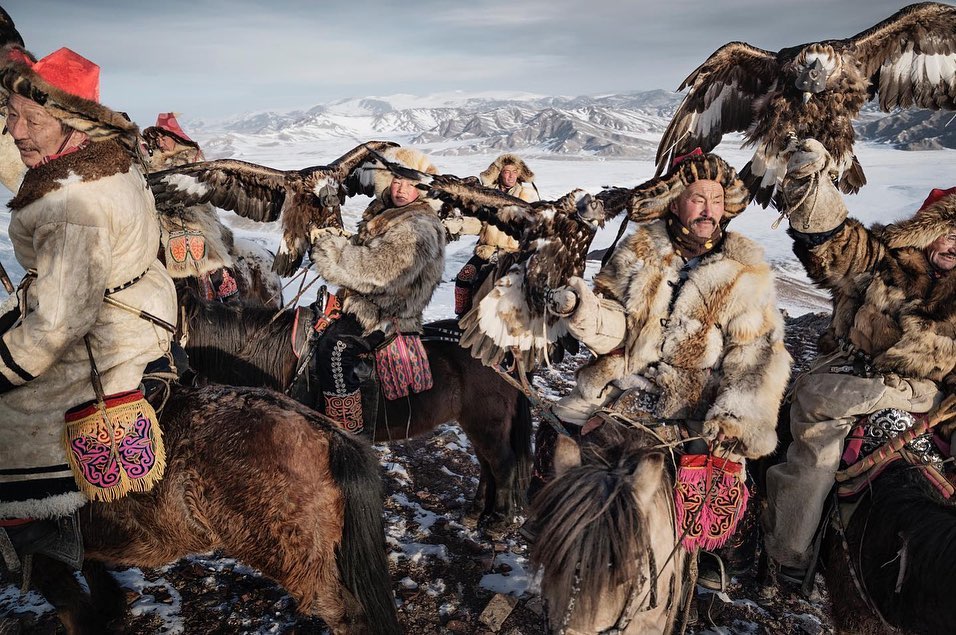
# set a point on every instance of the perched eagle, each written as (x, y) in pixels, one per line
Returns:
(512, 316)
(306, 199)
(814, 90)
(553, 239)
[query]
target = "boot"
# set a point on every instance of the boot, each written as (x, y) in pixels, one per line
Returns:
(346, 410)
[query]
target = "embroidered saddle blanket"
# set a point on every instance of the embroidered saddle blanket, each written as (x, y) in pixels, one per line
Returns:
(927, 452)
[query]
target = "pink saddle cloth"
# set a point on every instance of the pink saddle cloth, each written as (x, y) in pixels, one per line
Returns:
(402, 366)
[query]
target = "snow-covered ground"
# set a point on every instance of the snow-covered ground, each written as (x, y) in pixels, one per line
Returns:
(898, 183)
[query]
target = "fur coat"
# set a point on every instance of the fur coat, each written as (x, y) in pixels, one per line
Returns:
(715, 351)
(887, 300)
(85, 223)
(390, 268)
(491, 239)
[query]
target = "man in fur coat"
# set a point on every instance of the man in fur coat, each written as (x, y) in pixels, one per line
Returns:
(83, 225)
(388, 272)
(683, 321)
(892, 337)
(510, 174)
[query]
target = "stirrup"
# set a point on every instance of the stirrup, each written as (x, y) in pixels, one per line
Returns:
(711, 573)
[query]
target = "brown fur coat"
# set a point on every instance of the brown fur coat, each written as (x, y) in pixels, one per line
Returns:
(390, 268)
(717, 354)
(887, 302)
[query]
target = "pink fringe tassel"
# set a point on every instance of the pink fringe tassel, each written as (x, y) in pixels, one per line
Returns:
(693, 484)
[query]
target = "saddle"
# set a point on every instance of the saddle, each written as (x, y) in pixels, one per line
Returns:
(866, 453)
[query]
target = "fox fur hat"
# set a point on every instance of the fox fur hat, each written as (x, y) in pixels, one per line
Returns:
(66, 84)
(651, 200)
(489, 177)
(936, 217)
(407, 157)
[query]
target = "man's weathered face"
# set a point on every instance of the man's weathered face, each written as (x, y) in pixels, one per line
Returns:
(402, 192)
(942, 251)
(700, 207)
(36, 132)
(508, 176)
(166, 144)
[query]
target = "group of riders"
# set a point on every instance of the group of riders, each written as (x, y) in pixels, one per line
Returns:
(682, 320)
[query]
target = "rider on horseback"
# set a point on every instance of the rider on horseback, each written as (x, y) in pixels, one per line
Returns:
(388, 271)
(683, 320)
(510, 174)
(890, 343)
(83, 226)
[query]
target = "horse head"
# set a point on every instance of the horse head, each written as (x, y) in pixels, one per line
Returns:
(607, 545)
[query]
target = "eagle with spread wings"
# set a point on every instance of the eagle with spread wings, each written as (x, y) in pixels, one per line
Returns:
(553, 239)
(814, 90)
(305, 199)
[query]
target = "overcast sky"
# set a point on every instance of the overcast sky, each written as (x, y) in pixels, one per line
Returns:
(215, 58)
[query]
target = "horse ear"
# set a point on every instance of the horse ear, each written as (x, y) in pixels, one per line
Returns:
(567, 454)
(648, 476)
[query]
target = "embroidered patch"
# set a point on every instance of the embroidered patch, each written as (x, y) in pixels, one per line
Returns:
(711, 498)
(346, 410)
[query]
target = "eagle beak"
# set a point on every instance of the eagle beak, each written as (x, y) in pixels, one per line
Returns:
(806, 97)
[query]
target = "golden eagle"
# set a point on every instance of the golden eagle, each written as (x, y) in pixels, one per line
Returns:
(553, 239)
(814, 90)
(305, 199)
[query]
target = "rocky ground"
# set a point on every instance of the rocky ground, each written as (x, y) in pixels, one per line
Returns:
(450, 576)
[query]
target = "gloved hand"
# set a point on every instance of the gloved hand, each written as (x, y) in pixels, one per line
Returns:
(453, 225)
(566, 301)
(811, 200)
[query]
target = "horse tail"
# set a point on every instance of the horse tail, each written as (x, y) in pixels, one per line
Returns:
(520, 441)
(360, 555)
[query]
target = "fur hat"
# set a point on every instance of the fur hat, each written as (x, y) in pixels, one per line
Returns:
(166, 124)
(936, 217)
(489, 178)
(68, 86)
(405, 156)
(652, 199)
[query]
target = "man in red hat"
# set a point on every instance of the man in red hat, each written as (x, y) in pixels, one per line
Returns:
(83, 227)
(890, 344)
(168, 145)
(198, 249)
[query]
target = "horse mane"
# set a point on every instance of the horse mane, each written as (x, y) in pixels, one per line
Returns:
(236, 344)
(590, 523)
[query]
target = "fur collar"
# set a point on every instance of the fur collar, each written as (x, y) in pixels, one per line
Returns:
(96, 161)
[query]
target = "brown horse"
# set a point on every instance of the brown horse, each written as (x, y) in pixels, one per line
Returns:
(607, 541)
(249, 346)
(265, 480)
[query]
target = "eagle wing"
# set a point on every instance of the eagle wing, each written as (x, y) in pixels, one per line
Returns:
(911, 57)
(720, 99)
(8, 30)
(250, 190)
(353, 169)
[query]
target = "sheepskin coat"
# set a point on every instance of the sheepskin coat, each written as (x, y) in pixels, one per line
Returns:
(491, 239)
(888, 301)
(715, 350)
(85, 223)
(390, 268)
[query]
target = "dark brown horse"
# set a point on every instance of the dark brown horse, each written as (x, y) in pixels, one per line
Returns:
(607, 541)
(244, 346)
(262, 478)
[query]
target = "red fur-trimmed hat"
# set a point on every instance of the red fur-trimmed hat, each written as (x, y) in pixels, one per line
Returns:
(68, 86)
(935, 195)
(167, 125)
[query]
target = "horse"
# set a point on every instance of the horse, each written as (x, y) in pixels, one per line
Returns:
(607, 541)
(901, 546)
(888, 569)
(251, 346)
(259, 476)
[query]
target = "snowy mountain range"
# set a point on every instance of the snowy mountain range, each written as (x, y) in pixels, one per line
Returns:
(619, 126)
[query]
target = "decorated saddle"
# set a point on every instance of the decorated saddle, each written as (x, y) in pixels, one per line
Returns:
(885, 437)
